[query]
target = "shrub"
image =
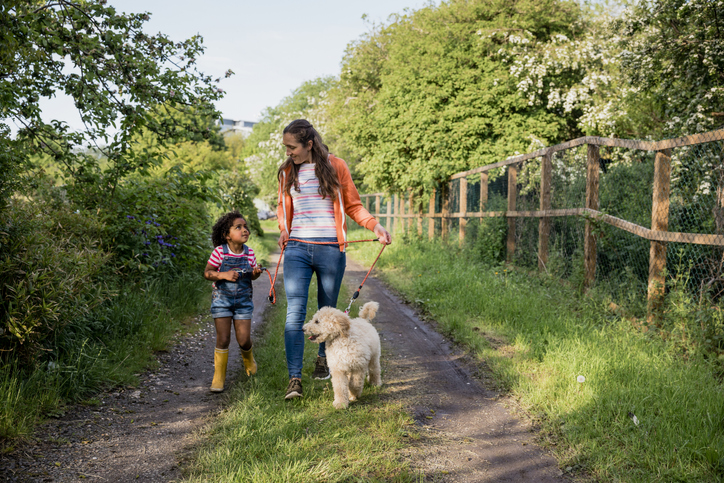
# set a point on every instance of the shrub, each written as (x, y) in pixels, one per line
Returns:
(51, 272)
(154, 228)
(238, 193)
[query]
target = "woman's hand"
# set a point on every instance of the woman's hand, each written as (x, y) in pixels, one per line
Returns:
(382, 235)
(283, 239)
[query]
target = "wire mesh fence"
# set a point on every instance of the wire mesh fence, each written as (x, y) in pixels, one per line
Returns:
(620, 215)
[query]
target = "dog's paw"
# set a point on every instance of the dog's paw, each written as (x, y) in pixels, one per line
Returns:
(340, 404)
(352, 398)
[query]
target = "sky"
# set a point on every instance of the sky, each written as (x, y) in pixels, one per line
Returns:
(272, 46)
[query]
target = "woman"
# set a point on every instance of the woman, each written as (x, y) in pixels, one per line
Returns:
(315, 193)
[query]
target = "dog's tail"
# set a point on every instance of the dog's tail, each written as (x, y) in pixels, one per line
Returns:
(369, 310)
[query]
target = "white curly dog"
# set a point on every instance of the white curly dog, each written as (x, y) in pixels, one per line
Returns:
(353, 349)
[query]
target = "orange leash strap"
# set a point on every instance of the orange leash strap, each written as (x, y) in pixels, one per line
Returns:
(272, 291)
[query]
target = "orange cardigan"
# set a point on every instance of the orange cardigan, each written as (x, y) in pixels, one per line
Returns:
(347, 202)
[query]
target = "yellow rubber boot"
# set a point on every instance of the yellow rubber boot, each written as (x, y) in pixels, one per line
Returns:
(221, 358)
(249, 362)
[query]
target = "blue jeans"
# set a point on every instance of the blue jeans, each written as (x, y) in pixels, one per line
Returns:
(301, 260)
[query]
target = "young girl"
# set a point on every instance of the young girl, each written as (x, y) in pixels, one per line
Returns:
(232, 266)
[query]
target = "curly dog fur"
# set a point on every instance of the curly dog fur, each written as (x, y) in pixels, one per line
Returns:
(353, 350)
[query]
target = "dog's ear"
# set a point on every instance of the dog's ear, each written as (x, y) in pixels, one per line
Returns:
(340, 322)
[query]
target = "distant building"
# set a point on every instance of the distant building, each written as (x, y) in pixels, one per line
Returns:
(242, 127)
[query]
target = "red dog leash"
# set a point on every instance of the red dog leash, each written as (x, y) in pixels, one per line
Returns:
(273, 293)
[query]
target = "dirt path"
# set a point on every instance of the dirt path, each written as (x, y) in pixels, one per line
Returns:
(145, 433)
(470, 436)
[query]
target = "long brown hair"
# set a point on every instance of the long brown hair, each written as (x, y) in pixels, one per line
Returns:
(304, 132)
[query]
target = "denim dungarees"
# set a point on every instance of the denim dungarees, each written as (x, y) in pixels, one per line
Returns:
(233, 298)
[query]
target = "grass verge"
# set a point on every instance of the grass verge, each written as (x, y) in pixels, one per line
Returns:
(139, 322)
(262, 437)
(136, 324)
(644, 412)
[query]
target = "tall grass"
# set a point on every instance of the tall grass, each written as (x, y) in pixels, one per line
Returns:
(646, 412)
(138, 322)
(109, 349)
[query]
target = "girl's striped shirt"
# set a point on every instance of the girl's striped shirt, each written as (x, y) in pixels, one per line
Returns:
(313, 216)
(217, 256)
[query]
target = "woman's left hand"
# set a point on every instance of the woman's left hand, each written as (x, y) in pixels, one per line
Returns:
(382, 235)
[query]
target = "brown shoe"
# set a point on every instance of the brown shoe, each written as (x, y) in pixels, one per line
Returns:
(321, 369)
(294, 389)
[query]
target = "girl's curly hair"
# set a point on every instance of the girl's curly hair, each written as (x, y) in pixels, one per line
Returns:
(222, 227)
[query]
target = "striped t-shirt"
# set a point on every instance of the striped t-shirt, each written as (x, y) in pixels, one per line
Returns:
(217, 256)
(313, 216)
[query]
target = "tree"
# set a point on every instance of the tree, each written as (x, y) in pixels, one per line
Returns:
(432, 93)
(576, 77)
(205, 167)
(673, 55)
(113, 71)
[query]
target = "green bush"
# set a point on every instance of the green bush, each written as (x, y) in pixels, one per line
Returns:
(153, 228)
(52, 272)
(237, 193)
(487, 236)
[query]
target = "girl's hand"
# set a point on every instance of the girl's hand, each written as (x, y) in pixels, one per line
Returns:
(231, 275)
(255, 272)
(283, 239)
(382, 235)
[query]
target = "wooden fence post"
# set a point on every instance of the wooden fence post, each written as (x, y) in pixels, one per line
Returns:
(389, 214)
(589, 244)
(483, 190)
(410, 220)
(659, 222)
(367, 202)
(402, 221)
(431, 220)
(544, 224)
(463, 210)
(419, 215)
(445, 210)
(512, 195)
(377, 205)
